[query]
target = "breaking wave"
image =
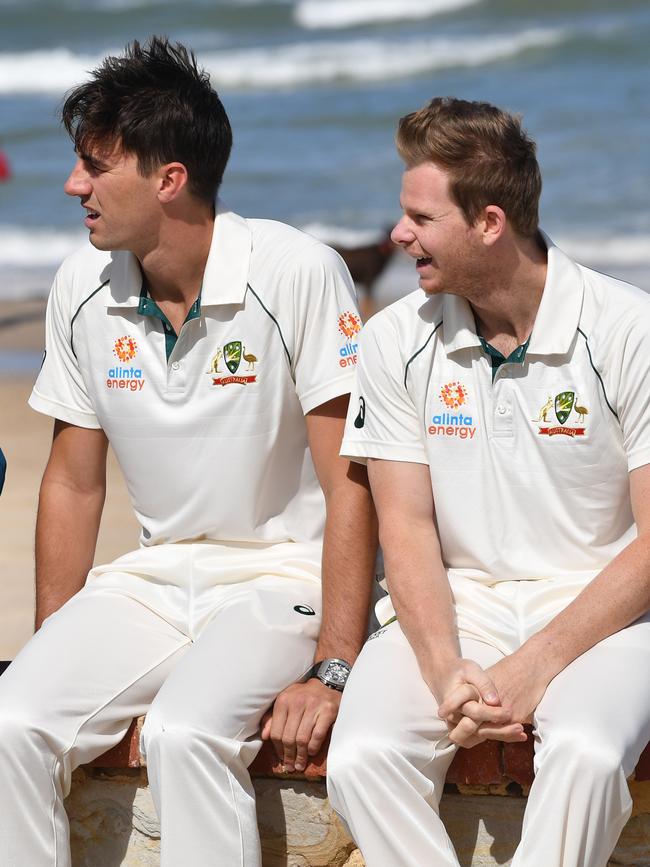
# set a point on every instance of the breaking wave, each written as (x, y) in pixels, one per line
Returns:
(293, 65)
(337, 14)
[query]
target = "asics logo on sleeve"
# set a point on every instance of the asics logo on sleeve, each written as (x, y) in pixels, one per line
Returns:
(360, 420)
(304, 609)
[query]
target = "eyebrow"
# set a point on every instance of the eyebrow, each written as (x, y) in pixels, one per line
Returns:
(92, 160)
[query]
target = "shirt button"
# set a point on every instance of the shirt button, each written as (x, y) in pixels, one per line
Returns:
(501, 409)
(176, 365)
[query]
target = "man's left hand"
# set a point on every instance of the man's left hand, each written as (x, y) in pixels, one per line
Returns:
(300, 720)
(521, 682)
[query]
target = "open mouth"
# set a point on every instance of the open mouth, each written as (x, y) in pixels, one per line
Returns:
(423, 262)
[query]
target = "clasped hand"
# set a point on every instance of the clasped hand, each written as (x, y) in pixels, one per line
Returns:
(480, 705)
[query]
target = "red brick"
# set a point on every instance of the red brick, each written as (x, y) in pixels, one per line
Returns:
(480, 766)
(518, 761)
(485, 764)
(267, 764)
(125, 755)
(643, 768)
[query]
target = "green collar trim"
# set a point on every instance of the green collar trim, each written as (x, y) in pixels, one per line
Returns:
(517, 356)
(148, 307)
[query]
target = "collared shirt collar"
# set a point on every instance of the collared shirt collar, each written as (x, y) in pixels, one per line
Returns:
(557, 318)
(225, 278)
(458, 325)
(559, 311)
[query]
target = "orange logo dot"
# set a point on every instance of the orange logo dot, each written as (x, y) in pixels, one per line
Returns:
(453, 395)
(349, 324)
(125, 348)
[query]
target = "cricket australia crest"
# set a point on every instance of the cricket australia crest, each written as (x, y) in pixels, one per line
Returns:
(563, 404)
(232, 354)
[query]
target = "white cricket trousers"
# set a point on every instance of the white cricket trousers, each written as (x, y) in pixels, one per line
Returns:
(390, 752)
(160, 631)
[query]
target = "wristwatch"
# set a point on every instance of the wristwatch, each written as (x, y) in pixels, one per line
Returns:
(332, 672)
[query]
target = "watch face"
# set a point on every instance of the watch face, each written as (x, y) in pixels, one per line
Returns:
(337, 673)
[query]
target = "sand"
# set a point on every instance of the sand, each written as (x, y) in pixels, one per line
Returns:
(25, 438)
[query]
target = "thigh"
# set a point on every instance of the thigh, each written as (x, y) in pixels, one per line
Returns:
(95, 664)
(602, 697)
(386, 699)
(260, 639)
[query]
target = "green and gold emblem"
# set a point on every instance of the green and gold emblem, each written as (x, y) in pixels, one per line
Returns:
(564, 404)
(232, 355)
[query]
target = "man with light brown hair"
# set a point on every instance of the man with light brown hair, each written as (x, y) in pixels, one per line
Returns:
(515, 526)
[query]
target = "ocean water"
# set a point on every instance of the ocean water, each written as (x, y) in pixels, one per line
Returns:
(314, 89)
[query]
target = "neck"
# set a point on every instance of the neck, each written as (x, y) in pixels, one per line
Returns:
(174, 268)
(507, 303)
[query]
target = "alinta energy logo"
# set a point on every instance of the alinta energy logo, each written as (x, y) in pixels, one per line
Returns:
(349, 327)
(130, 378)
(453, 395)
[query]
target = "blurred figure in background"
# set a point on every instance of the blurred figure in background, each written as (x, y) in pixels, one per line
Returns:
(366, 264)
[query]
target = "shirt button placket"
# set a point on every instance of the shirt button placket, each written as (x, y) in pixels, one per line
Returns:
(502, 407)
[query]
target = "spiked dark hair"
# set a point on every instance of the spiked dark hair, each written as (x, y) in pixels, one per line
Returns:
(157, 105)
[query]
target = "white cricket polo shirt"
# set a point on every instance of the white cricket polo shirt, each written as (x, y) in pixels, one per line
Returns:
(529, 471)
(212, 440)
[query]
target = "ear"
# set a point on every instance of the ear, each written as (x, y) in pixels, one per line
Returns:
(172, 179)
(492, 223)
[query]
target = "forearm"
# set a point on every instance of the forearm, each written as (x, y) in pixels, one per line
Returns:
(421, 596)
(66, 535)
(349, 553)
(614, 599)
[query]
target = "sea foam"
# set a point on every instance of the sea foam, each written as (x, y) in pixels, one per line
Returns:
(22, 246)
(45, 246)
(335, 14)
(294, 65)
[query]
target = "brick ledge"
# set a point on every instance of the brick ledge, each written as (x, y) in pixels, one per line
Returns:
(502, 768)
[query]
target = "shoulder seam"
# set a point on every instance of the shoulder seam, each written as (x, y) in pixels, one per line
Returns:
(600, 379)
(78, 310)
(275, 322)
(421, 349)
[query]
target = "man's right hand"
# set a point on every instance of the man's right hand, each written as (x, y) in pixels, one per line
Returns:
(471, 707)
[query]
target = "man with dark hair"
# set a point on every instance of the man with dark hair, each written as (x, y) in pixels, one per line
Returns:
(210, 352)
(505, 421)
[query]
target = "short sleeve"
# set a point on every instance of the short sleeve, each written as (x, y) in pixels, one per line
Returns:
(326, 327)
(382, 420)
(633, 398)
(60, 390)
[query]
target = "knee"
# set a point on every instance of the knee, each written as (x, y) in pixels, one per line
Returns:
(159, 736)
(353, 758)
(584, 753)
(14, 727)
(20, 734)
(178, 740)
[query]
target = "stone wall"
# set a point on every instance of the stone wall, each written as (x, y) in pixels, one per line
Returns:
(113, 822)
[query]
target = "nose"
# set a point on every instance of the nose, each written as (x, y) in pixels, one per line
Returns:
(402, 233)
(78, 183)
